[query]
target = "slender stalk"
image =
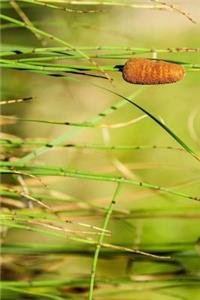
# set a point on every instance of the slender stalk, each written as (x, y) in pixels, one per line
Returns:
(37, 64)
(8, 143)
(53, 171)
(100, 241)
(11, 50)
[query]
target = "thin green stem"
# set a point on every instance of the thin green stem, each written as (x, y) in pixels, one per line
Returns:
(37, 64)
(8, 143)
(67, 51)
(66, 123)
(100, 241)
(54, 171)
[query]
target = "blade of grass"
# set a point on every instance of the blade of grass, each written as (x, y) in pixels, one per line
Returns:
(17, 50)
(54, 171)
(100, 241)
(33, 64)
(8, 143)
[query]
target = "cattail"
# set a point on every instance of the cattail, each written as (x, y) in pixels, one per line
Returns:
(146, 71)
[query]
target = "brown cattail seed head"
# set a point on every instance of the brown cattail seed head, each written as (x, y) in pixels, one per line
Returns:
(146, 71)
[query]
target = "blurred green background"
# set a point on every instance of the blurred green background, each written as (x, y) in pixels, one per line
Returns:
(61, 100)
